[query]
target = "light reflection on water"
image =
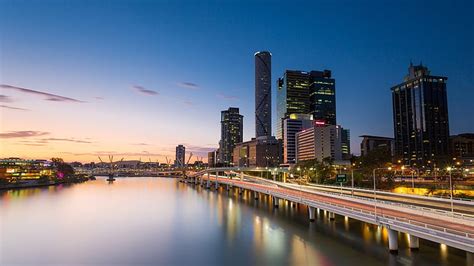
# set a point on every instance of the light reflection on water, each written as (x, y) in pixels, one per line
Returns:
(162, 221)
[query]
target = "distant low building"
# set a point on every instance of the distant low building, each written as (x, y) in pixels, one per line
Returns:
(370, 143)
(17, 168)
(258, 152)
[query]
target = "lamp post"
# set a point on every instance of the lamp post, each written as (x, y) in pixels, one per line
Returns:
(352, 179)
(375, 191)
(451, 189)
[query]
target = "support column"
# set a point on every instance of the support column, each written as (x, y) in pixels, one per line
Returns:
(217, 183)
(275, 202)
(312, 213)
(414, 242)
(392, 240)
(332, 216)
(469, 258)
(208, 182)
(228, 187)
(241, 176)
(255, 195)
(241, 190)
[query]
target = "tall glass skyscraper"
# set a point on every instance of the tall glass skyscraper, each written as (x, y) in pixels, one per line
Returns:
(263, 99)
(322, 97)
(301, 92)
(420, 118)
(231, 134)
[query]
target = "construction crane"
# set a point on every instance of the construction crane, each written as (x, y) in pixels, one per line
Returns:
(189, 159)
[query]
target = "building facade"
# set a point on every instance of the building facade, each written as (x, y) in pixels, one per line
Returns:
(370, 143)
(420, 117)
(258, 152)
(462, 145)
(292, 125)
(322, 96)
(180, 156)
(346, 144)
(319, 142)
(231, 134)
(263, 89)
(301, 92)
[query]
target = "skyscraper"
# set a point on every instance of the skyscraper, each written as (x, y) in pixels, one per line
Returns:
(420, 118)
(263, 99)
(322, 97)
(231, 134)
(180, 156)
(301, 92)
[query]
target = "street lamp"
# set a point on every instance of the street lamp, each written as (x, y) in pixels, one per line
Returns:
(451, 189)
(352, 179)
(375, 191)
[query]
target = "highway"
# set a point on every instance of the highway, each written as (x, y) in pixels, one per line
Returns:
(433, 223)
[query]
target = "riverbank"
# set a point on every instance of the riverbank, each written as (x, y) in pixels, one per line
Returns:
(36, 183)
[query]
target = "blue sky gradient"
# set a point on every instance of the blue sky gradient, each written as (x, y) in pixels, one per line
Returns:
(97, 51)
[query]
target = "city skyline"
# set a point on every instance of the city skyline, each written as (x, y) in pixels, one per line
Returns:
(140, 91)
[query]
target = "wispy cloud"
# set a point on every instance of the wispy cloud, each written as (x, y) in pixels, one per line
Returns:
(5, 99)
(121, 154)
(13, 108)
(189, 103)
(48, 96)
(143, 90)
(67, 140)
(227, 97)
(188, 85)
(140, 144)
(99, 98)
(22, 134)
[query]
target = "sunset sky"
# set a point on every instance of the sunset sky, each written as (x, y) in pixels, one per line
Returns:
(136, 78)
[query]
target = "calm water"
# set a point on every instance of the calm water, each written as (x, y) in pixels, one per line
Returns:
(159, 221)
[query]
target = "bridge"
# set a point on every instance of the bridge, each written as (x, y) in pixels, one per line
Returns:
(436, 219)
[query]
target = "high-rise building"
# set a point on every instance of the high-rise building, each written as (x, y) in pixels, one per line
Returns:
(420, 117)
(322, 96)
(300, 92)
(319, 142)
(370, 143)
(231, 134)
(292, 125)
(263, 99)
(180, 156)
(212, 158)
(258, 152)
(346, 144)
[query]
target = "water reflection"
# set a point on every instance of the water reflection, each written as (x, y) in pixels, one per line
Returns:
(161, 221)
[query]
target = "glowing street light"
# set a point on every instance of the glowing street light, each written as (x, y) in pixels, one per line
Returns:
(451, 189)
(375, 191)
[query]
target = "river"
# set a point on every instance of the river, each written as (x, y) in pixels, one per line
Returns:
(160, 221)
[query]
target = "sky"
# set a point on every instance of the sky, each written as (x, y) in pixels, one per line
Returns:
(81, 79)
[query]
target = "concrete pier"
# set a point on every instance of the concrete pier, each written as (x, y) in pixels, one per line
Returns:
(392, 240)
(469, 258)
(255, 195)
(332, 216)
(275, 201)
(413, 242)
(311, 213)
